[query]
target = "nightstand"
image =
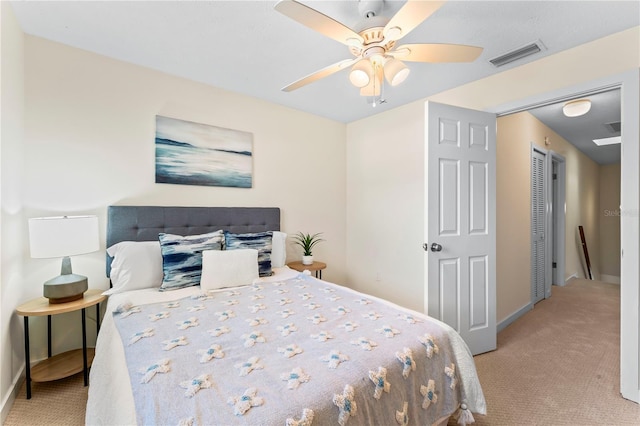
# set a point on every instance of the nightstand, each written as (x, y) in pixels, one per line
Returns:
(67, 363)
(316, 267)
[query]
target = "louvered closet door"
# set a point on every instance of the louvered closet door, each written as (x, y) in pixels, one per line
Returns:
(538, 197)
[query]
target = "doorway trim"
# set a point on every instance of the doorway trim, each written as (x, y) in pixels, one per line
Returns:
(558, 213)
(629, 84)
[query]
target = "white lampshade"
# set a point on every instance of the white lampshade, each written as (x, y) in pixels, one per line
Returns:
(63, 236)
(395, 71)
(576, 108)
(361, 73)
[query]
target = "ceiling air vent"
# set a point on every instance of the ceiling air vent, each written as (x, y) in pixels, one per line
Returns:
(614, 127)
(514, 55)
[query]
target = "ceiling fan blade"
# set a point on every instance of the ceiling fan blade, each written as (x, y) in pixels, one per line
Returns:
(319, 22)
(412, 14)
(436, 53)
(324, 72)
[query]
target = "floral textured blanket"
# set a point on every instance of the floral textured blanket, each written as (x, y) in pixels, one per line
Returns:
(294, 352)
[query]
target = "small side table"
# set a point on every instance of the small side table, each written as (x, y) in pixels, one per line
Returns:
(316, 267)
(68, 363)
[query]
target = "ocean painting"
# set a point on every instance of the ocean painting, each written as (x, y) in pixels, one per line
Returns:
(190, 153)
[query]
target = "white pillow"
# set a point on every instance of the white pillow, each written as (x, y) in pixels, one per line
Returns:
(136, 265)
(228, 268)
(278, 249)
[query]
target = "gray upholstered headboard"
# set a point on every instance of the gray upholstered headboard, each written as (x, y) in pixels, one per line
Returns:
(144, 223)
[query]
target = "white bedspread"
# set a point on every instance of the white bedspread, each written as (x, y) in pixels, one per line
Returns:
(380, 331)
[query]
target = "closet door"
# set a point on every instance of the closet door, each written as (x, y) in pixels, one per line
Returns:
(538, 225)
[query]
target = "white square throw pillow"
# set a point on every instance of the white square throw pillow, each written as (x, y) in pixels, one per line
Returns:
(228, 268)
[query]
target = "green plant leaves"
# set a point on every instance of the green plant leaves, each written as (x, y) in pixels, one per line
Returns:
(307, 241)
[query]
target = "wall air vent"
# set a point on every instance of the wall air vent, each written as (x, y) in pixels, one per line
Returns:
(614, 127)
(514, 55)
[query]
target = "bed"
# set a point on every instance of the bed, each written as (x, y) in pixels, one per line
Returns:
(284, 348)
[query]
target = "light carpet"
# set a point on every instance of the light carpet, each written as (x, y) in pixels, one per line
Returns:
(557, 365)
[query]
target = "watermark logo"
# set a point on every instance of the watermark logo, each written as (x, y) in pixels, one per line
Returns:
(621, 212)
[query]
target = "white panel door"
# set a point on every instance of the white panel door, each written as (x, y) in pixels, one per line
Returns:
(460, 222)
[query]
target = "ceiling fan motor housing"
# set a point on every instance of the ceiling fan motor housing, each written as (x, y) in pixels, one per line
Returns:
(373, 37)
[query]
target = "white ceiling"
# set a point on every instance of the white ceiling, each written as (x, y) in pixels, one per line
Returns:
(248, 47)
(581, 131)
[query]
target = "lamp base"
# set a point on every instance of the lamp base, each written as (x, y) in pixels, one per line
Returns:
(65, 288)
(53, 301)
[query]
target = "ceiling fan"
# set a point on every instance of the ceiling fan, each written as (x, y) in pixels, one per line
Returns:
(376, 55)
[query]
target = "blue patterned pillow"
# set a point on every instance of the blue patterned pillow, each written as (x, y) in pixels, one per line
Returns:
(182, 257)
(260, 241)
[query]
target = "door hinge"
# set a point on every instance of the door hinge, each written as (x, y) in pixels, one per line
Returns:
(554, 265)
(555, 176)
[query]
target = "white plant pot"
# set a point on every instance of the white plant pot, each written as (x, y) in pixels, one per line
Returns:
(307, 260)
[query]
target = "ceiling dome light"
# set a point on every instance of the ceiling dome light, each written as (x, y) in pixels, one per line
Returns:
(395, 71)
(576, 108)
(361, 72)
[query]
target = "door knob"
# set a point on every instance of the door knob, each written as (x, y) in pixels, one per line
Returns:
(434, 247)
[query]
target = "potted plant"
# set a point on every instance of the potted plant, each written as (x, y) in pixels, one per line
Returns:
(307, 241)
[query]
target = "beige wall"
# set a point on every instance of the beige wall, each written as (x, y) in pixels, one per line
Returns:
(515, 135)
(385, 205)
(88, 142)
(11, 215)
(513, 214)
(609, 221)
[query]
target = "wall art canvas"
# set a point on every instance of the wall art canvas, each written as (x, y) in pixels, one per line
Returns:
(190, 153)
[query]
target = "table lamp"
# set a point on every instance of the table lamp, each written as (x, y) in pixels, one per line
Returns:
(64, 236)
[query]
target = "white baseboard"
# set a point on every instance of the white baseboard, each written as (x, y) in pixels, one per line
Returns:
(514, 316)
(610, 279)
(8, 400)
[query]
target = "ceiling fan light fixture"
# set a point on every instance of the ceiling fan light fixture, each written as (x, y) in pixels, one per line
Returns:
(360, 74)
(576, 108)
(373, 88)
(395, 71)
